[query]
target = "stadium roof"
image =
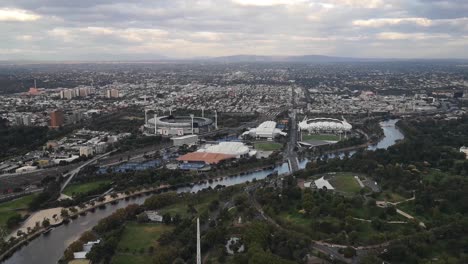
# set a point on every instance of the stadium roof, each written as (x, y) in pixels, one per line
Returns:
(266, 127)
(210, 158)
(228, 148)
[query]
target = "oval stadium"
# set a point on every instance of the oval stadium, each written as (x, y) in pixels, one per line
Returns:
(325, 125)
(179, 125)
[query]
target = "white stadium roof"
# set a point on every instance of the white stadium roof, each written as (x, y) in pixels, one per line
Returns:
(325, 124)
(266, 129)
(229, 148)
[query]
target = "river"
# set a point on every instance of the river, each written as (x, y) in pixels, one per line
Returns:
(48, 249)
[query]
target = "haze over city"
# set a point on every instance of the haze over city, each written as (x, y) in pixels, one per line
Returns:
(184, 29)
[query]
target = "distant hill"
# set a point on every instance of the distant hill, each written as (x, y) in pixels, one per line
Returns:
(302, 58)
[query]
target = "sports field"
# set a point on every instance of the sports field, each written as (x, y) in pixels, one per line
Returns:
(136, 241)
(74, 189)
(268, 146)
(345, 182)
(9, 209)
(324, 137)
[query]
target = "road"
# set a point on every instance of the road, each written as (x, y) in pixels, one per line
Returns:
(74, 172)
(290, 149)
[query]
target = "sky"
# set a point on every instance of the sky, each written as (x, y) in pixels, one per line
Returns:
(151, 29)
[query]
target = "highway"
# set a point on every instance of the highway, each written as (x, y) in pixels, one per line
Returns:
(290, 149)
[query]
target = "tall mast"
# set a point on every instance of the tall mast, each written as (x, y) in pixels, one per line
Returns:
(198, 242)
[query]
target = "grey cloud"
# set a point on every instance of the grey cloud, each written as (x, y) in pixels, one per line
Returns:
(180, 28)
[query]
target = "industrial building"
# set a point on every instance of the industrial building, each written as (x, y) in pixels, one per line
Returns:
(325, 125)
(266, 130)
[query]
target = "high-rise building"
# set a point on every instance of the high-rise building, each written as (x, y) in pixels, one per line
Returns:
(18, 121)
(56, 119)
(112, 93)
(26, 120)
(67, 94)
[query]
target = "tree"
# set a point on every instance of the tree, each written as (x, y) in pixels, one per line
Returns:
(13, 221)
(64, 213)
(46, 223)
(88, 236)
(349, 252)
(167, 219)
(142, 218)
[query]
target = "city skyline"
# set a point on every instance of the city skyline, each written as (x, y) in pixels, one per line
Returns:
(142, 30)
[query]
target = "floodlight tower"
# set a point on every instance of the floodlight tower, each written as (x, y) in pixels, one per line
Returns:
(155, 124)
(146, 117)
(216, 120)
(191, 116)
(203, 111)
(198, 242)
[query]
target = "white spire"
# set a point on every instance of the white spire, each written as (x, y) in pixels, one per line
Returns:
(155, 124)
(198, 242)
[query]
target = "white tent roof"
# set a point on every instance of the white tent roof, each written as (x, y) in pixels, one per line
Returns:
(228, 148)
(320, 183)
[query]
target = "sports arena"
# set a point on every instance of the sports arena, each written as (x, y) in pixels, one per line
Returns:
(178, 125)
(325, 125)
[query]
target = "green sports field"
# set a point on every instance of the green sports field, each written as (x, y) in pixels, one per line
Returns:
(72, 189)
(268, 146)
(345, 182)
(136, 240)
(8, 209)
(323, 137)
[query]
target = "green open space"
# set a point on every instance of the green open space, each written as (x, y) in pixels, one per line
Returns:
(79, 261)
(409, 207)
(182, 208)
(325, 137)
(139, 236)
(10, 208)
(121, 258)
(345, 182)
(268, 146)
(77, 188)
(391, 197)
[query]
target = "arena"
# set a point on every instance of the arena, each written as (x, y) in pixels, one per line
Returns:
(178, 125)
(325, 125)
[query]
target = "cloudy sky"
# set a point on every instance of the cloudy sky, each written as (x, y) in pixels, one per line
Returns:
(139, 29)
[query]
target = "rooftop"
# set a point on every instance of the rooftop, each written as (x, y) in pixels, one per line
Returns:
(210, 158)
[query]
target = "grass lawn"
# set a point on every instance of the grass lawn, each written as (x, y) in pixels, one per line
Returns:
(391, 197)
(84, 187)
(181, 208)
(8, 209)
(328, 137)
(121, 258)
(141, 236)
(409, 208)
(345, 182)
(79, 261)
(268, 146)
(295, 218)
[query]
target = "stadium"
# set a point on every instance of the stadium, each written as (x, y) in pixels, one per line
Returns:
(178, 125)
(325, 125)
